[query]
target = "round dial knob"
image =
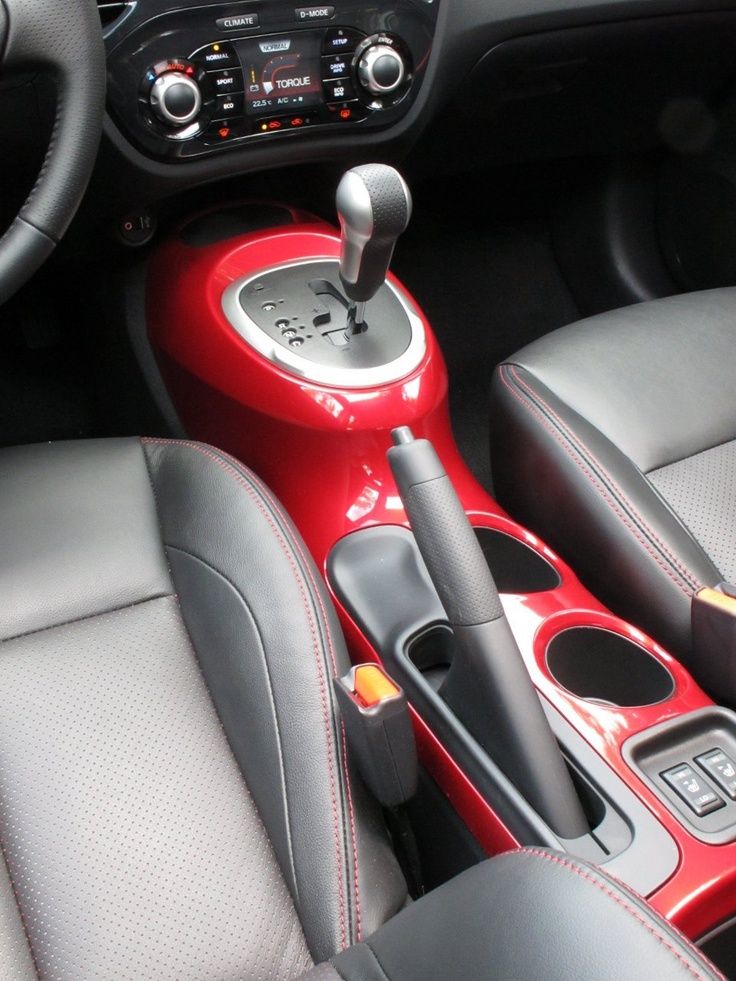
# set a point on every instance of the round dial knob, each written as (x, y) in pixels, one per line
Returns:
(381, 69)
(175, 98)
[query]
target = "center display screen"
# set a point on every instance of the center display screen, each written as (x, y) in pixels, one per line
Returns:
(281, 72)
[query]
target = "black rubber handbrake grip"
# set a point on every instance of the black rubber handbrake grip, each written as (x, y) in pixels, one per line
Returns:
(488, 686)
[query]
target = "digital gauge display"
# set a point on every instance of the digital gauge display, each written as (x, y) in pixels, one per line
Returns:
(281, 72)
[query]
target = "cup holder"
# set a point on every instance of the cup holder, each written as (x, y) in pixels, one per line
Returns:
(604, 667)
(516, 567)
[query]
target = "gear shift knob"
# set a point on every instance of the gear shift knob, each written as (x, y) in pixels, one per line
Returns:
(374, 207)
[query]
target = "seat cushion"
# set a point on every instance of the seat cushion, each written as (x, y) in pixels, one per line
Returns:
(615, 439)
(530, 913)
(175, 796)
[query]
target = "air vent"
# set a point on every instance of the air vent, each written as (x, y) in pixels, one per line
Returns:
(113, 13)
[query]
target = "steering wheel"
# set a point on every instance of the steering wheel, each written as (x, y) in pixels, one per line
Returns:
(65, 38)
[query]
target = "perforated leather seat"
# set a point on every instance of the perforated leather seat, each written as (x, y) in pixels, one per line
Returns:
(176, 799)
(615, 439)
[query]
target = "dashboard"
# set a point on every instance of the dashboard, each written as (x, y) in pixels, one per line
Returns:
(191, 84)
(203, 92)
(195, 81)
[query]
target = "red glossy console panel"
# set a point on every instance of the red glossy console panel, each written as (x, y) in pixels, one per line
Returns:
(323, 451)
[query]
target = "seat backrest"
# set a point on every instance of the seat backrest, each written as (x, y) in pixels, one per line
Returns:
(175, 797)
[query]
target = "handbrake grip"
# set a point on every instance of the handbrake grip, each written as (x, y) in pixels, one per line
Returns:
(487, 686)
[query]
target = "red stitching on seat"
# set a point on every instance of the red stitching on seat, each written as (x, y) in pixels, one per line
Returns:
(637, 914)
(605, 494)
(687, 575)
(295, 541)
(229, 469)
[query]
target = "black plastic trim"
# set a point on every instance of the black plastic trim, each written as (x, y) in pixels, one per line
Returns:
(380, 577)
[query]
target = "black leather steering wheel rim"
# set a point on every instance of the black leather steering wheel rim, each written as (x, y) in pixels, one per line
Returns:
(63, 37)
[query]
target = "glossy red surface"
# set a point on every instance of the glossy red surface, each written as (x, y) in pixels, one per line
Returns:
(322, 450)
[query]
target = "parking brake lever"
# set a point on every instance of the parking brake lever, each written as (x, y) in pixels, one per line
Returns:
(487, 686)
(374, 206)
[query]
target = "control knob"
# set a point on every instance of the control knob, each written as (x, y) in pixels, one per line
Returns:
(381, 69)
(175, 98)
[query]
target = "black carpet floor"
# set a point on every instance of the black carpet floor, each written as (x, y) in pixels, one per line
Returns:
(489, 283)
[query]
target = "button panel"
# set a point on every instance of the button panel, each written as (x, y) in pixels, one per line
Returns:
(266, 60)
(686, 761)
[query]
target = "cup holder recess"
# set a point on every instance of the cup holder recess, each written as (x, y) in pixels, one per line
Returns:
(431, 653)
(605, 667)
(515, 566)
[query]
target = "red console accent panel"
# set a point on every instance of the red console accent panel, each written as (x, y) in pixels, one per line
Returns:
(323, 451)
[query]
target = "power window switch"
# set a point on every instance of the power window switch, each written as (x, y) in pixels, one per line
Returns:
(698, 796)
(721, 769)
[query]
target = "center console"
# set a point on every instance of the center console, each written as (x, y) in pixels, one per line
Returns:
(185, 83)
(647, 751)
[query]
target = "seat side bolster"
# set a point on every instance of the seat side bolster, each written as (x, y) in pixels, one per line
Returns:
(269, 667)
(629, 546)
(531, 913)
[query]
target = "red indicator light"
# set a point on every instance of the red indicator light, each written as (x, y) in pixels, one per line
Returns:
(190, 70)
(346, 113)
(223, 132)
(297, 121)
(274, 124)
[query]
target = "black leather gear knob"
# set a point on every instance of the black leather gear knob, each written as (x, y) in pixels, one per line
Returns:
(374, 206)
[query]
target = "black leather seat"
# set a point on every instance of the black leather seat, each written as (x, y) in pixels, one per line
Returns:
(615, 439)
(175, 794)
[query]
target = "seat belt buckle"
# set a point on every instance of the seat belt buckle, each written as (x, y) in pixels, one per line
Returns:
(379, 732)
(714, 624)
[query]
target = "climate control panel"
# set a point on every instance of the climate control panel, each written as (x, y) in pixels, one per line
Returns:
(250, 83)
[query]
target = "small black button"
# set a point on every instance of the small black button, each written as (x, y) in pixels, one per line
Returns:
(137, 228)
(347, 112)
(692, 789)
(311, 14)
(721, 768)
(223, 130)
(218, 56)
(339, 39)
(237, 22)
(229, 105)
(231, 80)
(386, 71)
(339, 90)
(180, 99)
(280, 124)
(335, 66)
(275, 125)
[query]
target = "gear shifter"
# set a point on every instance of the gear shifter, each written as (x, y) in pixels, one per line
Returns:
(374, 207)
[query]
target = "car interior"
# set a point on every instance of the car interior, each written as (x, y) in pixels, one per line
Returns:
(368, 489)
